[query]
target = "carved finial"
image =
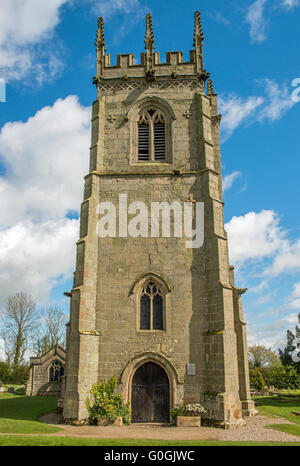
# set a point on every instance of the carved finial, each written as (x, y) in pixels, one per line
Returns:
(210, 87)
(198, 43)
(100, 44)
(149, 37)
(198, 32)
(149, 46)
(100, 40)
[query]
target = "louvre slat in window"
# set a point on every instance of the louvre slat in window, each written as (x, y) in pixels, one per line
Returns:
(143, 145)
(159, 141)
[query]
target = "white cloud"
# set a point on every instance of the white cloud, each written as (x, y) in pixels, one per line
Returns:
(272, 333)
(295, 297)
(130, 10)
(254, 236)
(278, 101)
(258, 18)
(290, 4)
(296, 291)
(23, 25)
(45, 159)
(27, 28)
(109, 8)
(219, 17)
(260, 287)
(255, 17)
(266, 298)
(27, 21)
(287, 260)
(228, 180)
(271, 106)
(258, 236)
(236, 111)
(34, 255)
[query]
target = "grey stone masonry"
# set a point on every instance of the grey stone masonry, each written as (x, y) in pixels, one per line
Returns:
(203, 322)
(39, 381)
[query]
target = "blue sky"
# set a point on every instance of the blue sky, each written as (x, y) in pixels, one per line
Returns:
(48, 60)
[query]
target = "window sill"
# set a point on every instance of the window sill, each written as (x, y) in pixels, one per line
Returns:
(150, 331)
(151, 162)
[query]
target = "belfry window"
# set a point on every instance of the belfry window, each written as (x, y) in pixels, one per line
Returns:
(151, 307)
(56, 372)
(151, 136)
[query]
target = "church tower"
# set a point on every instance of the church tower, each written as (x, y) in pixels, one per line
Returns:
(152, 307)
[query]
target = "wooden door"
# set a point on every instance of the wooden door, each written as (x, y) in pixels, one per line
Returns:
(150, 400)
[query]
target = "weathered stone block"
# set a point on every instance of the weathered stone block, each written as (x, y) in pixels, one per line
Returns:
(187, 421)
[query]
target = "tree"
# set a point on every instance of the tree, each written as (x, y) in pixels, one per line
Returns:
(287, 356)
(19, 375)
(4, 372)
(261, 357)
(18, 322)
(256, 378)
(283, 377)
(51, 330)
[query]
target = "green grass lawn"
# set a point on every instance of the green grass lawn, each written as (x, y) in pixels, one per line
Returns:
(21, 414)
(290, 392)
(19, 389)
(281, 406)
(77, 442)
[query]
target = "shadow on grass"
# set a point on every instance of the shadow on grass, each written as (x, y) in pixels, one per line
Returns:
(14, 406)
(281, 407)
(20, 414)
(17, 392)
(278, 402)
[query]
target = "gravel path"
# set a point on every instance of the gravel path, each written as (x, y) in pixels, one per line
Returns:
(254, 430)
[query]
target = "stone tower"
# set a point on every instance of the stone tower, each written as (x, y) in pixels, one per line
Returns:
(163, 317)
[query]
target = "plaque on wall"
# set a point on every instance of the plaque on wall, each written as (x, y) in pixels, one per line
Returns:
(191, 369)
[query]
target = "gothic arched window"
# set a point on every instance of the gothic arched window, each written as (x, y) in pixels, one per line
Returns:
(56, 371)
(151, 307)
(151, 131)
(151, 135)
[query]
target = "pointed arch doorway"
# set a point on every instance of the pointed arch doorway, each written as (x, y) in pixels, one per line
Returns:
(150, 394)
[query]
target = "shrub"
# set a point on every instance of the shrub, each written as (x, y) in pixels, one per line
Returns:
(19, 375)
(5, 372)
(104, 403)
(188, 409)
(16, 376)
(284, 378)
(256, 379)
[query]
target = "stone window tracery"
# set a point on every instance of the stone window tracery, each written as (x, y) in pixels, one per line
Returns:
(151, 307)
(151, 131)
(56, 371)
(151, 135)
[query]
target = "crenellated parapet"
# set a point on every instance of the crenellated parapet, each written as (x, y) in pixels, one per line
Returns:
(150, 68)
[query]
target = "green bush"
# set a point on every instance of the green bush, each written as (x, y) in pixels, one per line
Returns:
(17, 376)
(283, 378)
(5, 372)
(256, 378)
(104, 403)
